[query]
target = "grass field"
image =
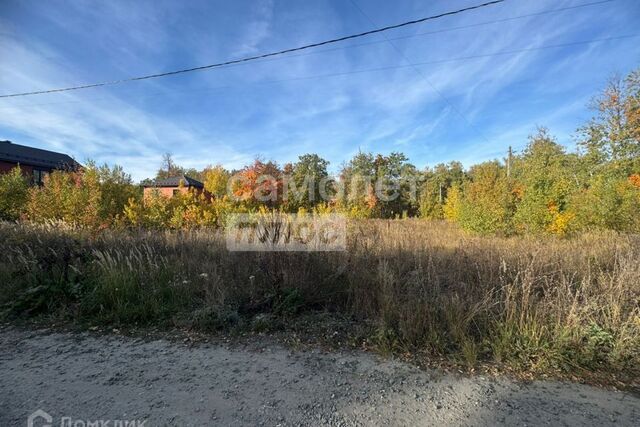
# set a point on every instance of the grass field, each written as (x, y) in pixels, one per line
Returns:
(535, 305)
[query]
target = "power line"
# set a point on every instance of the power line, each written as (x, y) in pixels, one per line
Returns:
(440, 31)
(497, 21)
(265, 55)
(367, 70)
(372, 42)
(363, 70)
(424, 77)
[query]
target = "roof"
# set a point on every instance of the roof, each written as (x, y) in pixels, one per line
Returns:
(174, 181)
(16, 153)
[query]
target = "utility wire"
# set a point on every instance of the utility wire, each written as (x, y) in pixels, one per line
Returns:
(265, 55)
(363, 70)
(427, 33)
(423, 76)
(440, 31)
(373, 42)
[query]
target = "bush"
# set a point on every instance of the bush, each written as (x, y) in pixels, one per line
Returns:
(182, 211)
(72, 197)
(608, 204)
(14, 190)
(488, 203)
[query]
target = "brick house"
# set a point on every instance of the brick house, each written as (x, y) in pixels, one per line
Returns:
(169, 187)
(33, 162)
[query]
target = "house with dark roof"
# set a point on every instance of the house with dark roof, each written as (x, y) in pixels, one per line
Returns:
(33, 162)
(169, 187)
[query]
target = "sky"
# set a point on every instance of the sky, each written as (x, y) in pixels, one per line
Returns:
(413, 90)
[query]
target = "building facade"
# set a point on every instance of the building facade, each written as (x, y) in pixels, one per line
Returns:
(169, 187)
(33, 162)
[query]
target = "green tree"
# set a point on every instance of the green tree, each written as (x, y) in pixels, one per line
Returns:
(356, 194)
(379, 186)
(116, 188)
(609, 203)
(307, 176)
(546, 178)
(610, 141)
(488, 202)
(435, 187)
(395, 185)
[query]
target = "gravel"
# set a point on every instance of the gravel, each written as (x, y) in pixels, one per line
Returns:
(90, 377)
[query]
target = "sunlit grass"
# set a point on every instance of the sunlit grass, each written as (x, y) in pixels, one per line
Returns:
(533, 304)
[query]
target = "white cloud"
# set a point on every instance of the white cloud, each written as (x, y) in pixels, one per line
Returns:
(230, 115)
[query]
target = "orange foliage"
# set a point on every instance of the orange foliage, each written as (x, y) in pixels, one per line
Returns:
(518, 191)
(371, 200)
(259, 182)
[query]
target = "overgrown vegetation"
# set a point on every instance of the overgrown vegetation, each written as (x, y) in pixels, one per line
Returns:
(535, 305)
(87, 247)
(543, 190)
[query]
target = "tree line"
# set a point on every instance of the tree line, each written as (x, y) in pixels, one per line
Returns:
(543, 189)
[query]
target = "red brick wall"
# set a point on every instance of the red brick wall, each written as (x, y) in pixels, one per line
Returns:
(6, 167)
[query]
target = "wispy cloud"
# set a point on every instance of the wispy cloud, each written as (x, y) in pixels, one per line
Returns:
(469, 110)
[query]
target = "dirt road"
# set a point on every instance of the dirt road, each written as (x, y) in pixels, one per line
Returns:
(89, 377)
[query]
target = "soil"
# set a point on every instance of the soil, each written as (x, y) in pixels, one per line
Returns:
(90, 377)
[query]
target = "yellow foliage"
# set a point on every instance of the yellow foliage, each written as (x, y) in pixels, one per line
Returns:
(452, 205)
(561, 222)
(324, 209)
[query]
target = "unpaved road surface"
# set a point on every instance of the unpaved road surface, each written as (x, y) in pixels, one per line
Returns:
(90, 377)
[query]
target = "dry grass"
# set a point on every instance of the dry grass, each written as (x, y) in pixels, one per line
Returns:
(537, 305)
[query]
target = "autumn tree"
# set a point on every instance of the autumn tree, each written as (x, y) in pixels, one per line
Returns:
(72, 197)
(356, 194)
(488, 202)
(216, 180)
(610, 141)
(545, 174)
(14, 190)
(610, 158)
(258, 184)
(453, 203)
(116, 188)
(435, 187)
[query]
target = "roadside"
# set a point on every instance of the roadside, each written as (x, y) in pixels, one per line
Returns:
(92, 377)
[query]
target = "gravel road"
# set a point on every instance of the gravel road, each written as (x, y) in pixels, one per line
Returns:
(90, 377)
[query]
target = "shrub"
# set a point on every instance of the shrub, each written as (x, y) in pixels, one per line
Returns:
(14, 190)
(73, 197)
(488, 204)
(608, 204)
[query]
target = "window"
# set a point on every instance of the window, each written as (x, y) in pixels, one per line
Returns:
(38, 176)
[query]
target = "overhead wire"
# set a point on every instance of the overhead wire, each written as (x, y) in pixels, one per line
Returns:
(365, 70)
(257, 57)
(425, 78)
(386, 40)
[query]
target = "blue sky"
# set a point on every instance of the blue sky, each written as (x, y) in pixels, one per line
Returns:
(358, 95)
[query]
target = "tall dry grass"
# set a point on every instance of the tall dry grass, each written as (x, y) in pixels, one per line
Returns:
(535, 304)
